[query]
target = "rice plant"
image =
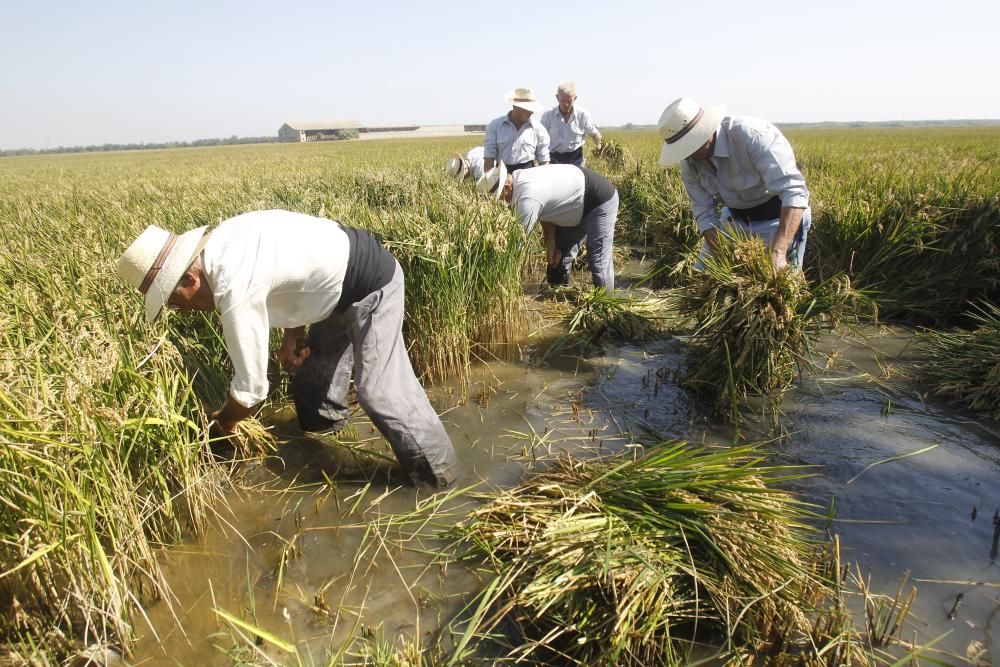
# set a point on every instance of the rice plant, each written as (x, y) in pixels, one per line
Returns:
(752, 325)
(910, 215)
(104, 446)
(963, 365)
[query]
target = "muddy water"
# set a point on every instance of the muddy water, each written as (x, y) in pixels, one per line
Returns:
(285, 556)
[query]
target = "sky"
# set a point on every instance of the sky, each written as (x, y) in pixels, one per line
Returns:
(125, 71)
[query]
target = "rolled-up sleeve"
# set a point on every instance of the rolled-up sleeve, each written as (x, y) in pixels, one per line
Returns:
(542, 144)
(703, 205)
(775, 162)
(490, 142)
(527, 213)
(246, 331)
(588, 124)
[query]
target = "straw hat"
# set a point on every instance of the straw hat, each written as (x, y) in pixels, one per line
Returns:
(524, 98)
(457, 167)
(491, 183)
(155, 262)
(685, 126)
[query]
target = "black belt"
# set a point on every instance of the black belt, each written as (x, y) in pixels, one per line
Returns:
(524, 165)
(569, 157)
(769, 210)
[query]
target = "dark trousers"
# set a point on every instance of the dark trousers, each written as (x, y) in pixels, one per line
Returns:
(569, 157)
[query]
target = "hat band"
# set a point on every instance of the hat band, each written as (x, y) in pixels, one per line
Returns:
(493, 188)
(523, 99)
(687, 128)
(157, 264)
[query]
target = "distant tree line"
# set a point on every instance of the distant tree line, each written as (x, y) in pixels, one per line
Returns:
(94, 148)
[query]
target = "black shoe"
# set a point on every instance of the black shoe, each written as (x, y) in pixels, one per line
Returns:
(557, 276)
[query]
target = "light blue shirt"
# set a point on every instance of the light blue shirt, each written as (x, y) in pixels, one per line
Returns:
(753, 162)
(515, 146)
(567, 135)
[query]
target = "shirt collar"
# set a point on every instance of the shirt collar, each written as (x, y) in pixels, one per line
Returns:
(721, 143)
(529, 123)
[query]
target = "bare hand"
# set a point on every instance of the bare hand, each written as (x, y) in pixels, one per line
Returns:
(220, 427)
(293, 352)
(553, 256)
(779, 259)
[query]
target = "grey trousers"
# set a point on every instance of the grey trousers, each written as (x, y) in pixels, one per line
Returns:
(598, 227)
(366, 341)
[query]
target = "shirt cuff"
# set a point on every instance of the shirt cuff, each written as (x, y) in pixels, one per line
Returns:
(247, 399)
(794, 200)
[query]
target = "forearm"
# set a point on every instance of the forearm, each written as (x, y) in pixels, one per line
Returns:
(488, 164)
(711, 237)
(295, 333)
(788, 227)
(552, 256)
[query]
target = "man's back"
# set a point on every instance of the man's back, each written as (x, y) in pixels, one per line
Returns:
(291, 263)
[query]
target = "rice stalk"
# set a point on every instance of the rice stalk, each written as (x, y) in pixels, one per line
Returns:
(963, 365)
(632, 562)
(753, 326)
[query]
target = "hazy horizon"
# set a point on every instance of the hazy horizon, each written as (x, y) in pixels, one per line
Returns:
(117, 73)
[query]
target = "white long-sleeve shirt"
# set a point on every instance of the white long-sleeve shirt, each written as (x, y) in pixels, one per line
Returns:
(511, 145)
(558, 193)
(271, 269)
(567, 135)
(753, 162)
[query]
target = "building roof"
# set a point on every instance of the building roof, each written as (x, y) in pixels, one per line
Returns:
(325, 125)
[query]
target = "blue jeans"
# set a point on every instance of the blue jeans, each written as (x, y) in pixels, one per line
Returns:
(765, 231)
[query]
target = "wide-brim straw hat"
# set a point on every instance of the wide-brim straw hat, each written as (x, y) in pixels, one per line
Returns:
(457, 167)
(524, 98)
(491, 183)
(155, 262)
(685, 126)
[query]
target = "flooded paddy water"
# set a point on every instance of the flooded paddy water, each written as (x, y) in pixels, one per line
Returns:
(307, 550)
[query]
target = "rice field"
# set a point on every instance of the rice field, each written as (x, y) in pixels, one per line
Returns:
(104, 457)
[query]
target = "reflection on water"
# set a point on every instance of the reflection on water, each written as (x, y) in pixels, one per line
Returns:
(286, 557)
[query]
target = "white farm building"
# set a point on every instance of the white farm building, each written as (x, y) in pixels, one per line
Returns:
(350, 129)
(321, 131)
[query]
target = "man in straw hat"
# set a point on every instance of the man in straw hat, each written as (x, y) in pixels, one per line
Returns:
(282, 269)
(516, 139)
(748, 165)
(460, 168)
(567, 125)
(572, 203)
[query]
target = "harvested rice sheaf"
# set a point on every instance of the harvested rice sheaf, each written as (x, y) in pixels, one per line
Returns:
(598, 312)
(621, 561)
(753, 324)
